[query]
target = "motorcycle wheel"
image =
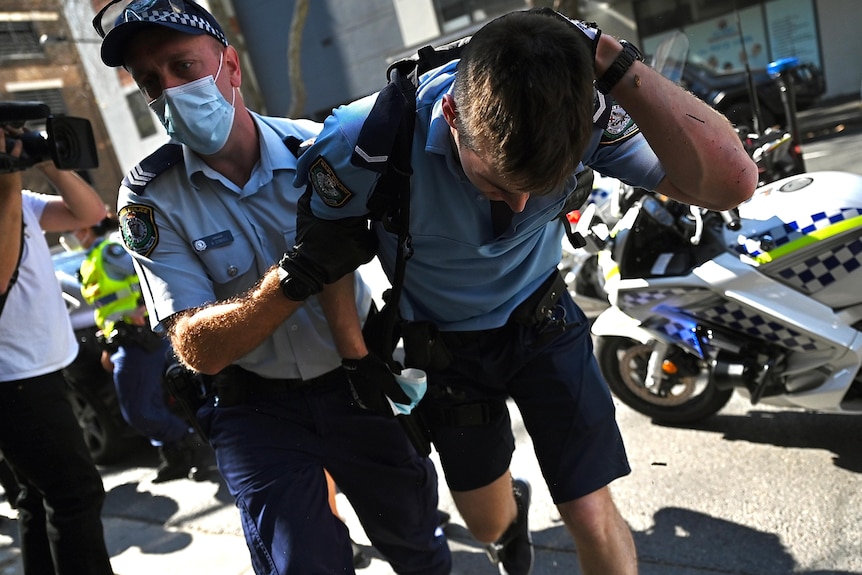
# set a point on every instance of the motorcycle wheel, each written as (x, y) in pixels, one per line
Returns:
(685, 399)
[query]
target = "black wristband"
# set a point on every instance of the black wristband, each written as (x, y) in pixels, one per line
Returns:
(619, 67)
(296, 283)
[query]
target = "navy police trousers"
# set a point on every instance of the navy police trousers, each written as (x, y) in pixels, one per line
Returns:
(272, 449)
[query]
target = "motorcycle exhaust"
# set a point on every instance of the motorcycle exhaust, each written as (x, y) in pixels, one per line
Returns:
(730, 370)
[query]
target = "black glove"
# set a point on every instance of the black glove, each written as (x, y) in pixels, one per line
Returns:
(327, 250)
(371, 382)
(592, 43)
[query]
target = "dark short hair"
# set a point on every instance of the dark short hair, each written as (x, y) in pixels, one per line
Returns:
(524, 98)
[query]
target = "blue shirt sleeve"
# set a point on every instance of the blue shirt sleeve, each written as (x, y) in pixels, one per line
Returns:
(619, 150)
(339, 189)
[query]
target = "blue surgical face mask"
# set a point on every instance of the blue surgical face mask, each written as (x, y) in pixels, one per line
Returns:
(196, 114)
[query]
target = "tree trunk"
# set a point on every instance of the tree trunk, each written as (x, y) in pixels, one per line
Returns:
(294, 60)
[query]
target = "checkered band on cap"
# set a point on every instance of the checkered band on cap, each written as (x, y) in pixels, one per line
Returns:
(182, 19)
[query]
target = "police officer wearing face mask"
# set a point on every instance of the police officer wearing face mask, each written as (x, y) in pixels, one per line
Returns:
(206, 218)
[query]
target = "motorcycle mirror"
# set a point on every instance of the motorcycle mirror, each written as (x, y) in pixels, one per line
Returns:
(671, 55)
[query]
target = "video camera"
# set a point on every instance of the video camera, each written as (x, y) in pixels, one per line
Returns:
(67, 140)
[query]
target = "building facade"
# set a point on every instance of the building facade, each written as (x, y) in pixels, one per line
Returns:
(40, 61)
(347, 44)
(49, 52)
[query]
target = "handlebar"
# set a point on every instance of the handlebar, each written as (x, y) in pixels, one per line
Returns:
(731, 219)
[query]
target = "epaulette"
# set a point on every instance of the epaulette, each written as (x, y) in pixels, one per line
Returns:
(150, 167)
(601, 109)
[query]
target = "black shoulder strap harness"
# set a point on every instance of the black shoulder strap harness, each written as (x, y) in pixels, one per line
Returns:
(384, 145)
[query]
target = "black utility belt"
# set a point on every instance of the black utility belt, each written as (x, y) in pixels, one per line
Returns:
(532, 311)
(428, 348)
(233, 383)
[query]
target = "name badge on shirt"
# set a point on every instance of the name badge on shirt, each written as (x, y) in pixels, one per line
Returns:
(214, 241)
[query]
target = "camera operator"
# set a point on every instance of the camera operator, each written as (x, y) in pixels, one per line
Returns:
(61, 489)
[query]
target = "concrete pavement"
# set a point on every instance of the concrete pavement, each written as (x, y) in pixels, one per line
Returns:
(752, 491)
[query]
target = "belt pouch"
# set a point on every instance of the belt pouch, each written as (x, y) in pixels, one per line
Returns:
(230, 386)
(423, 346)
(537, 306)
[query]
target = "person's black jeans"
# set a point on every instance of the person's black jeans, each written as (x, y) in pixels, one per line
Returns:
(60, 506)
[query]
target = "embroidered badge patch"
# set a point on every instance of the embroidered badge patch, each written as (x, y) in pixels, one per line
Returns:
(138, 228)
(620, 127)
(327, 185)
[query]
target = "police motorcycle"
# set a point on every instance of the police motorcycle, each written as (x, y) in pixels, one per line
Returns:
(763, 300)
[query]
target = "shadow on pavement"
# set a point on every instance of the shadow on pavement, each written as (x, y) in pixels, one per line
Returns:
(695, 540)
(685, 541)
(838, 434)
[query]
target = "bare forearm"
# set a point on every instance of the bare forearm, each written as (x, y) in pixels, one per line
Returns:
(701, 154)
(10, 227)
(211, 338)
(338, 301)
(81, 206)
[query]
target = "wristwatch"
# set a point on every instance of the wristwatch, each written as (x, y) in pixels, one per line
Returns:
(292, 287)
(619, 67)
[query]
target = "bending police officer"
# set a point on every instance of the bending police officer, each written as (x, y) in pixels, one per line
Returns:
(498, 139)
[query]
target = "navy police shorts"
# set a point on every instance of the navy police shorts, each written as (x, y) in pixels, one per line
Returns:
(565, 404)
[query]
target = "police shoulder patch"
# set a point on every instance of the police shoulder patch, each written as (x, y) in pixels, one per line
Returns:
(152, 166)
(327, 185)
(138, 228)
(620, 127)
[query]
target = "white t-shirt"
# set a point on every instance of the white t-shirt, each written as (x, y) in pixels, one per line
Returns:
(36, 335)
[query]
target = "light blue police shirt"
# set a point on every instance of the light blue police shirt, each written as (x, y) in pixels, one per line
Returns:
(460, 276)
(213, 240)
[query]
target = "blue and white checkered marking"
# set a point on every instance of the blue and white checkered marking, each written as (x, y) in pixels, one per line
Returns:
(630, 299)
(731, 315)
(677, 330)
(183, 19)
(748, 321)
(817, 272)
(790, 231)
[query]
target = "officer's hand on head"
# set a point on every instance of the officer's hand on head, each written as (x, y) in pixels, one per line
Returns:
(371, 382)
(591, 43)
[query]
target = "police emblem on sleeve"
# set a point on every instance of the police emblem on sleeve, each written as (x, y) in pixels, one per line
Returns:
(620, 127)
(327, 185)
(138, 228)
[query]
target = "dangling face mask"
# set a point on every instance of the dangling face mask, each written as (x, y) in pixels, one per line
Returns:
(196, 114)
